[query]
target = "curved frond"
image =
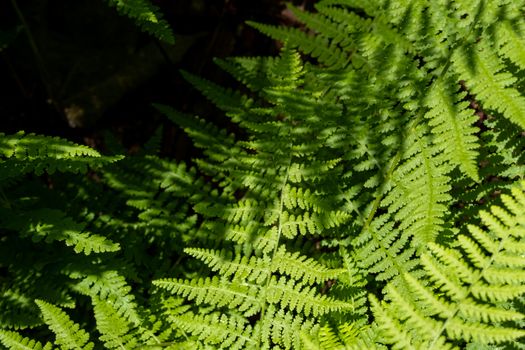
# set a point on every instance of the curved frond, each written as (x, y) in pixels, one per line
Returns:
(147, 16)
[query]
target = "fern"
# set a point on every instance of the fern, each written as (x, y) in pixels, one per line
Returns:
(269, 207)
(32, 224)
(399, 129)
(117, 331)
(68, 334)
(363, 168)
(112, 288)
(474, 282)
(52, 225)
(13, 340)
(147, 16)
(23, 153)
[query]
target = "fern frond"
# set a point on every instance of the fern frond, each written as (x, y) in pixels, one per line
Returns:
(68, 334)
(470, 286)
(302, 299)
(165, 176)
(367, 151)
(299, 267)
(285, 328)
(320, 48)
(218, 145)
(17, 307)
(349, 336)
(52, 225)
(23, 153)
(260, 277)
(452, 126)
(232, 102)
(202, 132)
(14, 341)
(226, 332)
(258, 237)
(116, 331)
(484, 75)
(111, 287)
(511, 44)
(242, 297)
(30, 146)
(244, 268)
(384, 251)
(147, 16)
(250, 71)
(152, 146)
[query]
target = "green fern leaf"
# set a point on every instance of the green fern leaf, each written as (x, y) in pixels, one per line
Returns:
(347, 336)
(15, 341)
(467, 301)
(109, 286)
(452, 127)
(147, 16)
(302, 299)
(251, 71)
(220, 330)
(243, 297)
(52, 225)
(68, 334)
(282, 327)
(511, 44)
(320, 48)
(115, 331)
(21, 154)
(483, 72)
(232, 102)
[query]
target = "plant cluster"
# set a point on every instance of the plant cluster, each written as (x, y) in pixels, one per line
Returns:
(373, 199)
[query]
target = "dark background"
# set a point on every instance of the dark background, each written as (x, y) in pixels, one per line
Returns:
(92, 72)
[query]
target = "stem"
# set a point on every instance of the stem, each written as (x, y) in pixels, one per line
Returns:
(279, 231)
(44, 74)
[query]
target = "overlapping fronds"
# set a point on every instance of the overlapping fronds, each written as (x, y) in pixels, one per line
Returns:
(464, 292)
(390, 113)
(111, 287)
(281, 203)
(118, 331)
(23, 153)
(375, 166)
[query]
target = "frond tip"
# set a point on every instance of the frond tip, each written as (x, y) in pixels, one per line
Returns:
(147, 16)
(23, 153)
(68, 334)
